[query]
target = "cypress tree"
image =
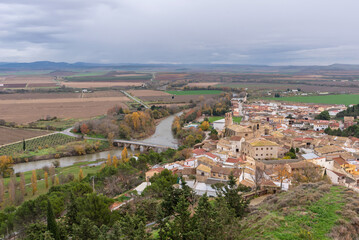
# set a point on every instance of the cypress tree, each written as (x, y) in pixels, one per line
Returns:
(23, 144)
(51, 222)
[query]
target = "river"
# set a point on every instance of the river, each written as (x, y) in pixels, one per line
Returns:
(162, 136)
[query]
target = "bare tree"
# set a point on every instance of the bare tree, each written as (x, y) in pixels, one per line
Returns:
(257, 178)
(12, 189)
(2, 189)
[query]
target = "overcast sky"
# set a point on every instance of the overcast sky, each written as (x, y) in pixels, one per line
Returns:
(273, 32)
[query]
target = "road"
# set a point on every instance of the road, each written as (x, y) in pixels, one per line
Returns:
(135, 99)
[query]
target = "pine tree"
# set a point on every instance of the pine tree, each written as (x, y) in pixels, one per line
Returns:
(34, 182)
(51, 222)
(72, 210)
(81, 175)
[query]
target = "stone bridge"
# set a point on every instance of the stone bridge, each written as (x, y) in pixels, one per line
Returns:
(142, 146)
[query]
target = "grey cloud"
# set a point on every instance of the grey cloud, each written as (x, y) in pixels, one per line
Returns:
(183, 31)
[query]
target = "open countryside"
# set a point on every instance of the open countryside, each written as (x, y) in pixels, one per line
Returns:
(345, 99)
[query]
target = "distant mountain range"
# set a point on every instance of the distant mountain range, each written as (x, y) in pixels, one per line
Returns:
(47, 65)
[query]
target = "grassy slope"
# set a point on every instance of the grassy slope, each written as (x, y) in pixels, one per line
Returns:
(195, 92)
(215, 118)
(327, 99)
(308, 212)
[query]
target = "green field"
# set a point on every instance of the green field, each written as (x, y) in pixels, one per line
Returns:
(40, 143)
(346, 99)
(195, 92)
(215, 118)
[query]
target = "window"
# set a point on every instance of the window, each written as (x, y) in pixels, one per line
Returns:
(261, 154)
(267, 148)
(257, 149)
(256, 155)
(214, 174)
(271, 148)
(202, 173)
(261, 148)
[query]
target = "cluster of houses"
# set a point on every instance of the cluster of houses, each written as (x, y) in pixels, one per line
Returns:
(255, 151)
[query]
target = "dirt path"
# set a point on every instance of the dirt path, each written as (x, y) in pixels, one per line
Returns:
(258, 200)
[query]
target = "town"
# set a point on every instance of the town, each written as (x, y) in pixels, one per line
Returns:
(273, 147)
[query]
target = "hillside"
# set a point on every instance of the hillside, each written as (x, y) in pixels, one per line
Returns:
(310, 211)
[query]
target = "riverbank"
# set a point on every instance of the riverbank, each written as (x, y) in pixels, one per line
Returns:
(64, 174)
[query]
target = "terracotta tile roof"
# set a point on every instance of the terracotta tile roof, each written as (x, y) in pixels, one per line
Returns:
(232, 160)
(160, 169)
(221, 170)
(329, 149)
(204, 168)
(340, 160)
(261, 142)
(199, 151)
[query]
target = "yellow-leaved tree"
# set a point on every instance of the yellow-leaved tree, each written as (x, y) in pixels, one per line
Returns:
(135, 120)
(57, 182)
(124, 154)
(204, 126)
(34, 182)
(46, 177)
(114, 161)
(6, 164)
(81, 174)
(109, 162)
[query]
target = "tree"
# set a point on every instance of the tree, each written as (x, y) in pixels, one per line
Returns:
(109, 162)
(6, 164)
(22, 184)
(52, 175)
(46, 177)
(12, 189)
(110, 138)
(204, 125)
(51, 222)
(124, 154)
(34, 182)
(135, 120)
(2, 189)
(23, 145)
(114, 161)
(230, 193)
(84, 129)
(323, 116)
(57, 182)
(181, 227)
(257, 178)
(282, 174)
(204, 218)
(81, 174)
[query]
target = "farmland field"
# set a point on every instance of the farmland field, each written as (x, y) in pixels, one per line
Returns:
(36, 143)
(161, 97)
(28, 81)
(202, 84)
(9, 135)
(346, 99)
(195, 92)
(26, 108)
(100, 84)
